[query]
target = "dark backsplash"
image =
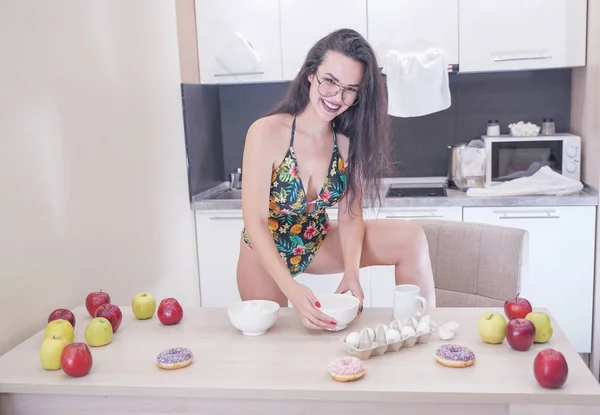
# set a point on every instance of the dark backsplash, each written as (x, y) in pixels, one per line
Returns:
(217, 118)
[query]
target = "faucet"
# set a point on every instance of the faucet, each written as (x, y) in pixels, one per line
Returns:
(235, 179)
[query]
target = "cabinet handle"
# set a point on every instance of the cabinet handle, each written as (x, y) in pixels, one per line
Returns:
(239, 73)
(524, 58)
(412, 216)
(535, 214)
(225, 217)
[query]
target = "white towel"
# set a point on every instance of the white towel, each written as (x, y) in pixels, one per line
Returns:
(417, 83)
(543, 182)
(238, 56)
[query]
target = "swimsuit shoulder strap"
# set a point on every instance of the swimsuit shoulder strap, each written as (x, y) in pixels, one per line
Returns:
(293, 131)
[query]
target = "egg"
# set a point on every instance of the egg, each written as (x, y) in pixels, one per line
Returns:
(393, 336)
(423, 327)
(353, 339)
(408, 331)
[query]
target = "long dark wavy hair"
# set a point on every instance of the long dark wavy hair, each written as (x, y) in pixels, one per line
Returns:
(366, 124)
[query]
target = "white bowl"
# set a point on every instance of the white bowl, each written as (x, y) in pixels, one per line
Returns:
(253, 317)
(342, 308)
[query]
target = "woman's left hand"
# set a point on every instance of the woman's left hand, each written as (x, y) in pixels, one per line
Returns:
(350, 282)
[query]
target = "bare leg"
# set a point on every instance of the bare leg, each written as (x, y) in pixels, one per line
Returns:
(400, 243)
(254, 282)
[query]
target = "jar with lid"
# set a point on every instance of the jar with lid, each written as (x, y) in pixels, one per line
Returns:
(493, 128)
(548, 127)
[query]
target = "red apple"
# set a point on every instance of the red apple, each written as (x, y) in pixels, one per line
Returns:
(94, 300)
(76, 359)
(112, 313)
(517, 307)
(550, 368)
(64, 314)
(169, 311)
(520, 334)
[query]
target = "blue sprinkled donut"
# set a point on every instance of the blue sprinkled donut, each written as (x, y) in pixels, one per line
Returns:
(454, 355)
(174, 358)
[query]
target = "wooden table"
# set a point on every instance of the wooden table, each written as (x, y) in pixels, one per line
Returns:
(284, 372)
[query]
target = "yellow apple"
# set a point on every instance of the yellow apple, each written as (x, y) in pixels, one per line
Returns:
(143, 305)
(492, 327)
(98, 332)
(543, 326)
(51, 352)
(60, 328)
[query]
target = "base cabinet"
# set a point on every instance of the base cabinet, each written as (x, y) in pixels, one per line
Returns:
(383, 278)
(561, 261)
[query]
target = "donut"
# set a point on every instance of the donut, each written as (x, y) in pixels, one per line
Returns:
(454, 355)
(346, 369)
(174, 358)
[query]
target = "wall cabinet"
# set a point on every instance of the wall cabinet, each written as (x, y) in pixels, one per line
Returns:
(500, 35)
(304, 22)
(218, 23)
(413, 26)
(561, 261)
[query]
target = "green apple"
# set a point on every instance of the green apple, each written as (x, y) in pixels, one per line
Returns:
(51, 351)
(543, 326)
(492, 327)
(143, 306)
(60, 328)
(98, 332)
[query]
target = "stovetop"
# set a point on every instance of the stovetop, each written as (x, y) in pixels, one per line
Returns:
(417, 190)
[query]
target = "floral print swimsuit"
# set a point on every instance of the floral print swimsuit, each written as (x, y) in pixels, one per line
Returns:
(298, 234)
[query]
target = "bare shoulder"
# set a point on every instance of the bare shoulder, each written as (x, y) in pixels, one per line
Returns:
(343, 145)
(269, 131)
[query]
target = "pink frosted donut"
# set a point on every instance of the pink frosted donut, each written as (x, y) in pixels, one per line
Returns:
(346, 369)
(174, 358)
(454, 355)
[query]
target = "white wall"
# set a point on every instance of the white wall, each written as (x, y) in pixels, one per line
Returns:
(585, 121)
(93, 184)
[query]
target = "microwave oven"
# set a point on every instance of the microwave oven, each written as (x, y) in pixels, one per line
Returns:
(509, 157)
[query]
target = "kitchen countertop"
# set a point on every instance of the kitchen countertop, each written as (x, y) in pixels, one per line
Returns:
(588, 196)
(289, 363)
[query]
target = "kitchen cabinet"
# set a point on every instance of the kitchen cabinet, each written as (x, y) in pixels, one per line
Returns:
(413, 26)
(314, 19)
(501, 35)
(561, 261)
(383, 278)
(218, 25)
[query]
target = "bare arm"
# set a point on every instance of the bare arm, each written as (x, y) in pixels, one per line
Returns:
(352, 231)
(257, 168)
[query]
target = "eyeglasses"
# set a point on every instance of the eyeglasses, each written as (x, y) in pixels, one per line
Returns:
(329, 88)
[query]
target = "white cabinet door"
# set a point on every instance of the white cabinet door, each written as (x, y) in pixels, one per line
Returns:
(413, 26)
(217, 25)
(327, 283)
(304, 22)
(218, 236)
(561, 261)
(383, 279)
(500, 35)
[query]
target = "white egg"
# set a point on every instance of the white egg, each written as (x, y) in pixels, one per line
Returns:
(408, 331)
(353, 339)
(423, 327)
(445, 334)
(393, 336)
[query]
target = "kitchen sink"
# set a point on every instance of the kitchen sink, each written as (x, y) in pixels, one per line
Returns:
(230, 194)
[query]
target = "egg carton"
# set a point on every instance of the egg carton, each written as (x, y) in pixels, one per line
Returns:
(376, 342)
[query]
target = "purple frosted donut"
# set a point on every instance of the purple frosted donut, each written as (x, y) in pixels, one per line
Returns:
(454, 355)
(174, 358)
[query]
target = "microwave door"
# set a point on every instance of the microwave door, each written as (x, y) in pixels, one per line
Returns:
(514, 159)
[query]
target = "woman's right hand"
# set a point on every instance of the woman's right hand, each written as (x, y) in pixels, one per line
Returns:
(306, 305)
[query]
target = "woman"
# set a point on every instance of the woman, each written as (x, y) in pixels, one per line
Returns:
(325, 144)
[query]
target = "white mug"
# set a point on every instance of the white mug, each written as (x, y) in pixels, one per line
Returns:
(408, 302)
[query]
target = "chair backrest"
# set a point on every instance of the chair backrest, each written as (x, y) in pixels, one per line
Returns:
(475, 265)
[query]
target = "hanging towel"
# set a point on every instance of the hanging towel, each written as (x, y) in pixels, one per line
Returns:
(417, 83)
(238, 56)
(543, 182)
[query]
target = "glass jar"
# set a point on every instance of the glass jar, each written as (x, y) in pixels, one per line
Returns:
(493, 128)
(548, 127)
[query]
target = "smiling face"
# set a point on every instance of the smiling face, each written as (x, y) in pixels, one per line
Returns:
(334, 86)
